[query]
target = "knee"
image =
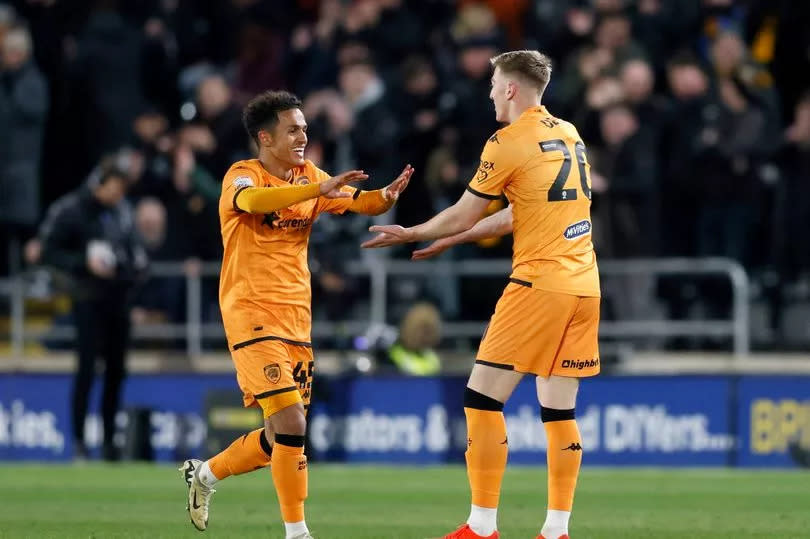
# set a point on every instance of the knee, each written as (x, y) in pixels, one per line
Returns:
(291, 420)
(557, 392)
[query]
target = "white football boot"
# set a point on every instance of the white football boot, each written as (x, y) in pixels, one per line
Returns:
(199, 495)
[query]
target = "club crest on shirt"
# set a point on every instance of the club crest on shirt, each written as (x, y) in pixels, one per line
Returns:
(301, 180)
(272, 372)
(243, 181)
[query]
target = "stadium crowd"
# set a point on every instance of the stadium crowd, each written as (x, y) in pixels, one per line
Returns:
(696, 114)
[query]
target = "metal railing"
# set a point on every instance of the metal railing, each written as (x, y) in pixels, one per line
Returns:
(380, 270)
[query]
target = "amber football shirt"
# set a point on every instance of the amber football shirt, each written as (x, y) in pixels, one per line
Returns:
(264, 287)
(539, 163)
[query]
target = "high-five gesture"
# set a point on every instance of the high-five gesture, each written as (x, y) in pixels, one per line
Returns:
(331, 188)
(388, 235)
(396, 187)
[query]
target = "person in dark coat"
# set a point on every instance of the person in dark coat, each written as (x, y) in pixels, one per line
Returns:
(89, 234)
(23, 111)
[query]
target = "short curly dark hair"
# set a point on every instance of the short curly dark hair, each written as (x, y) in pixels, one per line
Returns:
(262, 111)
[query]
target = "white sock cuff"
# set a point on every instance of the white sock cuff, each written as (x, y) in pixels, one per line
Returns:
(206, 476)
(556, 524)
(295, 529)
(483, 520)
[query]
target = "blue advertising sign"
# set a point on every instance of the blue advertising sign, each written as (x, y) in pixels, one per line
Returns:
(35, 413)
(632, 421)
(773, 414)
(656, 421)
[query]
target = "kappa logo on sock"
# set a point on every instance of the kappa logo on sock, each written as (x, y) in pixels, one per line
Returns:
(469, 442)
(573, 447)
(302, 464)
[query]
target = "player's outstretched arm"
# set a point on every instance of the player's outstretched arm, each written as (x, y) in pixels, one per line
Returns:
(457, 218)
(261, 200)
(496, 225)
(382, 200)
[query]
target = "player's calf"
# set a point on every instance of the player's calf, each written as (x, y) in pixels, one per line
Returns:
(289, 468)
(247, 453)
(564, 456)
(486, 455)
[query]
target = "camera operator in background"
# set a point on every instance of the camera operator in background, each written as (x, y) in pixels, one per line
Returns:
(90, 235)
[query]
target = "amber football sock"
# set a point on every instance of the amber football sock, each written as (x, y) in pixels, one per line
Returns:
(564, 456)
(289, 469)
(486, 458)
(247, 453)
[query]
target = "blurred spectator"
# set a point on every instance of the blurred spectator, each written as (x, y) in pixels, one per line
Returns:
(330, 122)
(510, 15)
(781, 29)
(601, 93)
(389, 26)
(419, 334)
(223, 119)
(107, 79)
(467, 105)
(691, 105)
(159, 299)
(628, 162)
(559, 27)
(311, 61)
(443, 177)
(730, 146)
(584, 67)
(23, 110)
(638, 84)
(613, 34)
(91, 237)
(663, 26)
(197, 192)
(260, 61)
(376, 131)
(612, 46)
(794, 204)
(476, 21)
(417, 109)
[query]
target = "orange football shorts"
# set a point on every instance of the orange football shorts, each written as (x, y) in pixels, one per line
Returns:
(543, 333)
(274, 374)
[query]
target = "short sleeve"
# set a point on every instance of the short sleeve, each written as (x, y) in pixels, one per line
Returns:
(237, 179)
(333, 205)
(495, 169)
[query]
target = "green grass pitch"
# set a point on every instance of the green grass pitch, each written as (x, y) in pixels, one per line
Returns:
(363, 502)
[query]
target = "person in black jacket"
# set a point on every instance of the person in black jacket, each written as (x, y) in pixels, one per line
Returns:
(89, 234)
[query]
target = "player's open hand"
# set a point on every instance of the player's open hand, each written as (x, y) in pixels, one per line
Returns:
(434, 249)
(331, 188)
(393, 191)
(387, 236)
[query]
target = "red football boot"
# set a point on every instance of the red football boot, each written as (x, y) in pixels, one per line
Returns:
(465, 532)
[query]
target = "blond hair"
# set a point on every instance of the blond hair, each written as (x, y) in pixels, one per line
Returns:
(533, 66)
